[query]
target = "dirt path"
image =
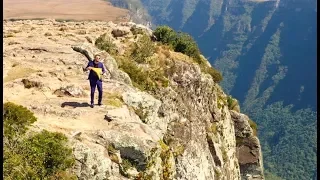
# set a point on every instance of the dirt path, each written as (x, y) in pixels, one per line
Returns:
(55, 65)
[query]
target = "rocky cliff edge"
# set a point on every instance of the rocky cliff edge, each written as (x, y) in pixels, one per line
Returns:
(185, 130)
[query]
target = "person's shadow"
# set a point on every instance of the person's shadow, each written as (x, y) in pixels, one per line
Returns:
(75, 104)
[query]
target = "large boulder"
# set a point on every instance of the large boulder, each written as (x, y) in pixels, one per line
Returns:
(241, 123)
(134, 140)
(248, 148)
(91, 162)
(147, 107)
(120, 32)
(71, 90)
(87, 49)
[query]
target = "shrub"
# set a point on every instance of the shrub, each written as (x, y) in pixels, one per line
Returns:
(43, 155)
(47, 154)
(165, 34)
(105, 43)
(138, 76)
(111, 149)
(181, 42)
(143, 79)
(216, 75)
(185, 44)
(233, 104)
(143, 49)
(16, 120)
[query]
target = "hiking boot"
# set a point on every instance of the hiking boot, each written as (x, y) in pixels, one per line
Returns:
(91, 105)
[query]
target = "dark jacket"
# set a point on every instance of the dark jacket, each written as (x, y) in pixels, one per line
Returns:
(92, 75)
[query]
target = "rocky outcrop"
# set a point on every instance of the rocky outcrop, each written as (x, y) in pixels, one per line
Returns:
(248, 148)
(183, 131)
(120, 32)
(89, 50)
(71, 90)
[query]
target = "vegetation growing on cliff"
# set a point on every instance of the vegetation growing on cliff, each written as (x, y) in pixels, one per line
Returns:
(140, 52)
(105, 43)
(143, 49)
(43, 155)
(180, 42)
(258, 49)
(184, 43)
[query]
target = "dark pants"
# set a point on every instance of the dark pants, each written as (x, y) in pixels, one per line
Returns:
(93, 84)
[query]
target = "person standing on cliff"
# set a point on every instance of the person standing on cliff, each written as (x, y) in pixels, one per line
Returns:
(96, 71)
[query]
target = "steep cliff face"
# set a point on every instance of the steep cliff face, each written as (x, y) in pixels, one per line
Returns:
(266, 51)
(183, 131)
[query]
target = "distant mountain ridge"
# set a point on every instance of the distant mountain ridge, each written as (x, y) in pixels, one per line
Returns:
(266, 51)
(213, 23)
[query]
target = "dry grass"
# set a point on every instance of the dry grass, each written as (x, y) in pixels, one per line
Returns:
(76, 10)
(18, 72)
(178, 150)
(181, 57)
(114, 158)
(112, 99)
(165, 51)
